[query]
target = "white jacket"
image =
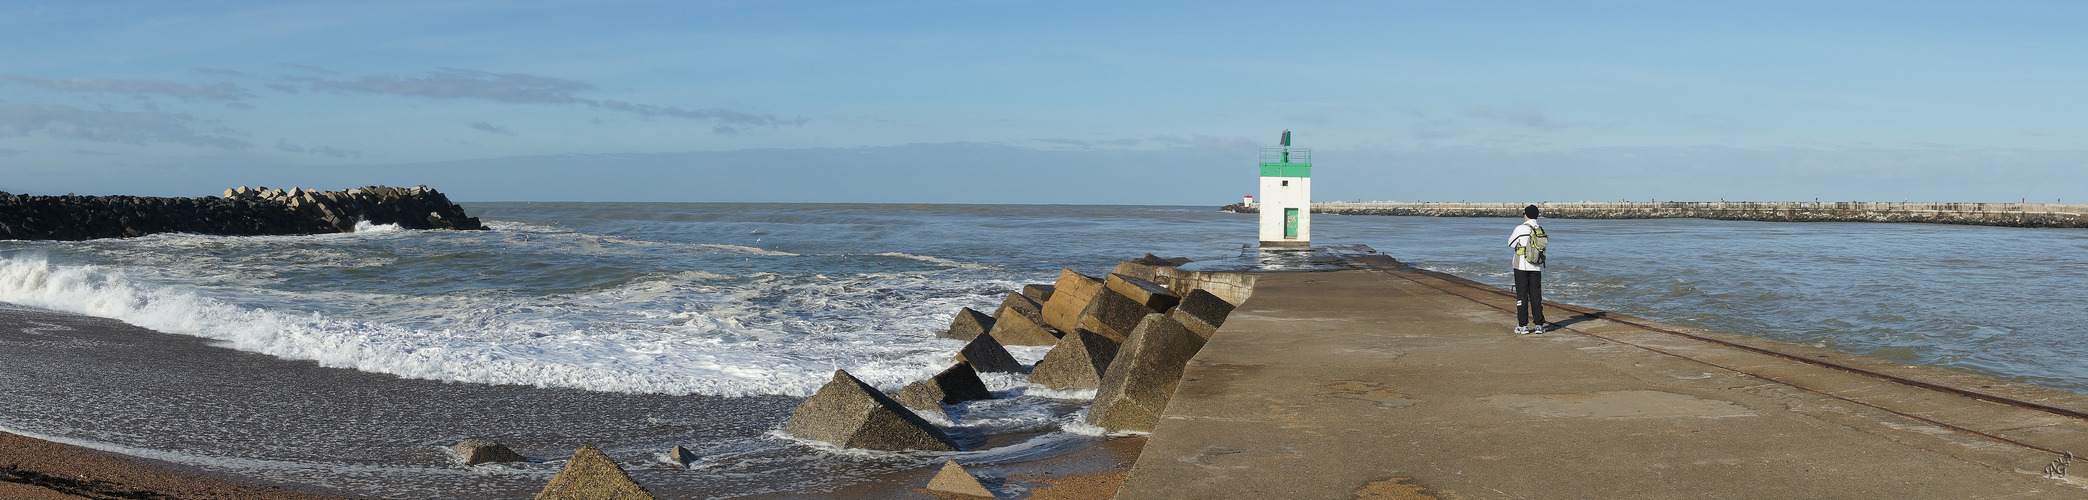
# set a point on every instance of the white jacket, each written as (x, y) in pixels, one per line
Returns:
(1521, 237)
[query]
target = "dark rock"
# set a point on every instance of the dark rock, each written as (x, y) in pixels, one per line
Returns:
(1079, 362)
(957, 384)
(1020, 321)
(1039, 293)
(681, 457)
(968, 324)
(1202, 312)
(987, 355)
(954, 479)
(590, 475)
(850, 414)
(1157, 261)
(1146, 292)
(480, 451)
(1138, 383)
(1069, 297)
(1113, 315)
(241, 212)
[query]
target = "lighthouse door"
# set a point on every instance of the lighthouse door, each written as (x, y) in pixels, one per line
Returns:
(1290, 223)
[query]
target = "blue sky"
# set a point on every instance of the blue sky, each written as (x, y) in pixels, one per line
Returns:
(1049, 102)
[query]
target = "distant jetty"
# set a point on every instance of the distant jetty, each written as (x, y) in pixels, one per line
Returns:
(1984, 214)
(242, 211)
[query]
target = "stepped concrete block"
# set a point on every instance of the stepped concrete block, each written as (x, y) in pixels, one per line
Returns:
(1146, 292)
(590, 475)
(480, 451)
(1113, 315)
(1141, 379)
(957, 384)
(1068, 298)
(968, 325)
(1038, 292)
(1020, 321)
(1202, 312)
(850, 414)
(986, 354)
(954, 479)
(1079, 362)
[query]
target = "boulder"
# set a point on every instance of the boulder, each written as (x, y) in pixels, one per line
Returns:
(1079, 362)
(480, 451)
(1146, 292)
(850, 414)
(1141, 379)
(1039, 293)
(967, 325)
(957, 384)
(590, 475)
(1020, 321)
(1202, 312)
(681, 457)
(986, 355)
(1068, 298)
(1155, 260)
(1113, 315)
(954, 479)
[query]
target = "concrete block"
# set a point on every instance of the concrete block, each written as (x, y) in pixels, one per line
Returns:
(1039, 293)
(957, 384)
(1138, 383)
(1069, 297)
(681, 457)
(480, 451)
(954, 479)
(987, 355)
(590, 475)
(1113, 315)
(1020, 321)
(967, 325)
(1079, 362)
(1202, 312)
(1146, 292)
(850, 414)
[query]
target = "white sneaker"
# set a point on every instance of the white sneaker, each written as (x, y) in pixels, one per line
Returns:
(1536, 329)
(1522, 330)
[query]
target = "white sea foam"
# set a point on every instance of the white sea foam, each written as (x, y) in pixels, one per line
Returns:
(363, 226)
(627, 339)
(935, 260)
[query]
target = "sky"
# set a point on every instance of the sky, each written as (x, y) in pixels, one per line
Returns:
(1049, 102)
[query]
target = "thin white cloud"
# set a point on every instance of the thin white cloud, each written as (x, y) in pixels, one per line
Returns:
(517, 88)
(67, 122)
(492, 129)
(285, 145)
(220, 91)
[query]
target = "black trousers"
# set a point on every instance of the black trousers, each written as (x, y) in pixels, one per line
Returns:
(1529, 296)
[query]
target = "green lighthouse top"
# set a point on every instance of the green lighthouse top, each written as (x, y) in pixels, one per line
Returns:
(1286, 161)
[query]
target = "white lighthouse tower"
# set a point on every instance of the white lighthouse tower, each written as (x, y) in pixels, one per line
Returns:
(1286, 195)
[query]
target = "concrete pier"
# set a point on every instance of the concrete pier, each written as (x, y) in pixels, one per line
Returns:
(2071, 215)
(1389, 382)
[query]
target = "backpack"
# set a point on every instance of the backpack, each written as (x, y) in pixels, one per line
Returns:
(1532, 251)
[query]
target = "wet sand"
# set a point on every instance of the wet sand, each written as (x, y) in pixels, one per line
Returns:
(36, 469)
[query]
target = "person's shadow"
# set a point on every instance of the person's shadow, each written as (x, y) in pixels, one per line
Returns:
(1578, 318)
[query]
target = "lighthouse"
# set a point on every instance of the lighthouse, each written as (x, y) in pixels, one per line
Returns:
(1286, 195)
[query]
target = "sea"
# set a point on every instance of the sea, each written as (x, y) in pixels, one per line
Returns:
(349, 361)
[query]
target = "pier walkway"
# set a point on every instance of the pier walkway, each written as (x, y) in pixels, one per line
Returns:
(1391, 382)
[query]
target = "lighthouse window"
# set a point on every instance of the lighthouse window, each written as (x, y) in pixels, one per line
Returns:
(1286, 183)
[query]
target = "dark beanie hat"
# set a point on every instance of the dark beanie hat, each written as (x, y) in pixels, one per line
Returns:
(1530, 211)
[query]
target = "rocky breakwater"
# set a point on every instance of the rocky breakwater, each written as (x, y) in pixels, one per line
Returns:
(241, 211)
(2060, 215)
(1127, 335)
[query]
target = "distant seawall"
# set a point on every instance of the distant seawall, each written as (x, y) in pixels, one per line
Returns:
(242, 211)
(1985, 214)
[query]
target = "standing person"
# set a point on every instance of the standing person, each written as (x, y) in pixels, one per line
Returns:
(1529, 272)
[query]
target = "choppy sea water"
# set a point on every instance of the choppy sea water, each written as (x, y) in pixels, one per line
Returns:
(724, 313)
